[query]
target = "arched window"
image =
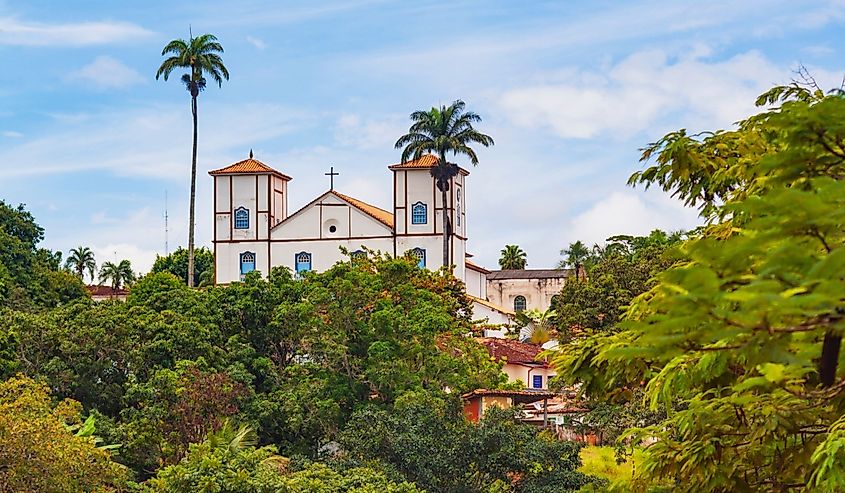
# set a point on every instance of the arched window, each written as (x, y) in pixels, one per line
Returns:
(419, 253)
(459, 208)
(241, 218)
(247, 263)
(303, 262)
(519, 304)
(358, 255)
(419, 213)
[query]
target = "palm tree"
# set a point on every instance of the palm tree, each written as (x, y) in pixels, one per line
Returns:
(200, 56)
(513, 258)
(539, 326)
(440, 131)
(575, 255)
(119, 274)
(79, 260)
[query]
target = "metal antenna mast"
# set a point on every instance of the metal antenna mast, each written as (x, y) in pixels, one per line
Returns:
(166, 244)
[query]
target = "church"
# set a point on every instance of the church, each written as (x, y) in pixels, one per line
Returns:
(254, 229)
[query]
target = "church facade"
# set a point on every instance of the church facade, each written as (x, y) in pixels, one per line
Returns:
(254, 229)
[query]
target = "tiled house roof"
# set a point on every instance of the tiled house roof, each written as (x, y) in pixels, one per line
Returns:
(376, 213)
(476, 267)
(248, 166)
(424, 162)
(105, 291)
(512, 350)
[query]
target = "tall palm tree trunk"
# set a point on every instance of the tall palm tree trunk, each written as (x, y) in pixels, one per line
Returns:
(191, 216)
(446, 229)
(444, 185)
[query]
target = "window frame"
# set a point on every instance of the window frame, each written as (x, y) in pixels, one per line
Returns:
(524, 303)
(420, 255)
(241, 258)
(296, 262)
(459, 207)
(245, 219)
(535, 380)
(416, 215)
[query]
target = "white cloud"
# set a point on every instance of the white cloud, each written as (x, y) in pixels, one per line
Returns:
(11, 134)
(160, 140)
(642, 89)
(631, 213)
(256, 42)
(372, 133)
(17, 32)
(107, 73)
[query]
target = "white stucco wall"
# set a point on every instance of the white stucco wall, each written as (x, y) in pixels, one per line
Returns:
(476, 283)
(525, 374)
(483, 313)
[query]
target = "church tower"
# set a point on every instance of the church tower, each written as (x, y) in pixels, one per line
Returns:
(250, 198)
(418, 214)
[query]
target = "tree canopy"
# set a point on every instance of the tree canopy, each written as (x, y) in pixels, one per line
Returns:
(31, 277)
(739, 341)
(512, 258)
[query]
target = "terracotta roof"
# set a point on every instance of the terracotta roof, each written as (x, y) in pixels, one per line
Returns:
(490, 305)
(529, 274)
(512, 350)
(476, 267)
(376, 213)
(248, 166)
(105, 291)
(424, 162)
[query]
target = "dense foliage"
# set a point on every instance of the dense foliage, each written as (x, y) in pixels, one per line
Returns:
(426, 440)
(173, 371)
(31, 277)
(177, 264)
(745, 332)
(619, 271)
(39, 451)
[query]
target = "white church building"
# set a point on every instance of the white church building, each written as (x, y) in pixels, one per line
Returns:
(254, 229)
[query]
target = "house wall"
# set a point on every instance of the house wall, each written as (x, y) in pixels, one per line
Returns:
(484, 313)
(476, 283)
(525, 373)
(324, 253)
(538, 292)
(417, 185)
(499, 401)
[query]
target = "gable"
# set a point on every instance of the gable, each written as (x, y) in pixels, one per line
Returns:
(331, 216)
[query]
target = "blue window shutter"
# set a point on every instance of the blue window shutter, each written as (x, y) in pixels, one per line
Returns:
(537, 381)
(241, 218)
(247, 262)
(419, 213)
(303, 262)
(419, 253)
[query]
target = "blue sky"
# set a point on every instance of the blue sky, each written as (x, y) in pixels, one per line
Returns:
(90, 141)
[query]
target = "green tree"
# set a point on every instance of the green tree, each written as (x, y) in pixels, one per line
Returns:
(512, 258)
(30, 276)
(117, 275)
(576, 254)
(38, 452)
(177, 264)
(200, 55)
(226, 461)
(744, 333)
(624, 268)
(440, 131)
(80, 260)
(429, 442)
